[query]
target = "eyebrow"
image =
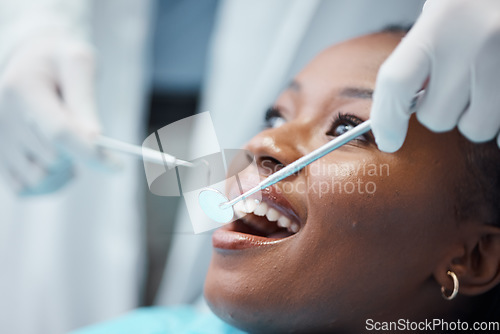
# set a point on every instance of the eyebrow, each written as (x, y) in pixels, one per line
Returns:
(349, 92)
(357, 93)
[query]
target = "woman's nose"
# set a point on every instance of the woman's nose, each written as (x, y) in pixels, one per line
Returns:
(275, 148)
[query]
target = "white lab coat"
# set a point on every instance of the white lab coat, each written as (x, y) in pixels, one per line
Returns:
(76, 257)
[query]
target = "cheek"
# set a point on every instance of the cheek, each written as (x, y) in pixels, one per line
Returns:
(380, 234)
(386, 200)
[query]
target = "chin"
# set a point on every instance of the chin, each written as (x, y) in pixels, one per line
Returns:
(234, 300)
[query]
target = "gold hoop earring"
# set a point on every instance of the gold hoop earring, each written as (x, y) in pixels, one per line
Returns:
(455, 286)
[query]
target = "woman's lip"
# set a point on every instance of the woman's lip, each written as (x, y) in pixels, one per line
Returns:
(227, 238)
(275, 199)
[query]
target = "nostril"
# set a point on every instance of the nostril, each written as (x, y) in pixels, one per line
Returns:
(269, 165)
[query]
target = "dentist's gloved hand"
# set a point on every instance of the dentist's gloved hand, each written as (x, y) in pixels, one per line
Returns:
(47, 114)
(456, 45)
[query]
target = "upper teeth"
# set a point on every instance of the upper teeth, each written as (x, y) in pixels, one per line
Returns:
(259, 208)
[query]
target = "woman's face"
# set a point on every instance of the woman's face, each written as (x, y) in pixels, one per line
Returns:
(373, 226)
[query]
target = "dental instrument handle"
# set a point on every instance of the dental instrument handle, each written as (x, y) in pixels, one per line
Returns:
(302, 162)
(145, 153)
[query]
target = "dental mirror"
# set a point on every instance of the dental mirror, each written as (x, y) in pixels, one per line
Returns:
(211, 201)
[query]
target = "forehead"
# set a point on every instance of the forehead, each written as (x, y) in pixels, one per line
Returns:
(350, 66)
(353, 63)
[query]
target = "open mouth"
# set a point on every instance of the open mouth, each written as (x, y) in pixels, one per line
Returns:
(262, 219)
(259, 223)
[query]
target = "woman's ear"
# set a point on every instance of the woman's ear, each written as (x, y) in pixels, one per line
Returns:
(476, 262)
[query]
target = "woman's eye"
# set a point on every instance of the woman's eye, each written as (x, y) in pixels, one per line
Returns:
(344, 123)
(340, 129)
(273, 118)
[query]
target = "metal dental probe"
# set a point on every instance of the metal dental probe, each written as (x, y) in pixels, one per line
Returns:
(219, 208)
(309, 158)
(145, 153)
(300, 163)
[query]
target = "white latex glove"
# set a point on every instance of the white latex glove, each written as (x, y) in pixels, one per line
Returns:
(47, 114)
(456, 45)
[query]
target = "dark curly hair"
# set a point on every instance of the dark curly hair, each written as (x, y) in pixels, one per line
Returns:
(483, 180)
(482, 162)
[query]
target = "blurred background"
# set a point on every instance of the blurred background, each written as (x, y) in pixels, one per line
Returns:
(103, 244)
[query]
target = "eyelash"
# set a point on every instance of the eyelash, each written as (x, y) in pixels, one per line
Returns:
(273, 114)
(346, 119)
